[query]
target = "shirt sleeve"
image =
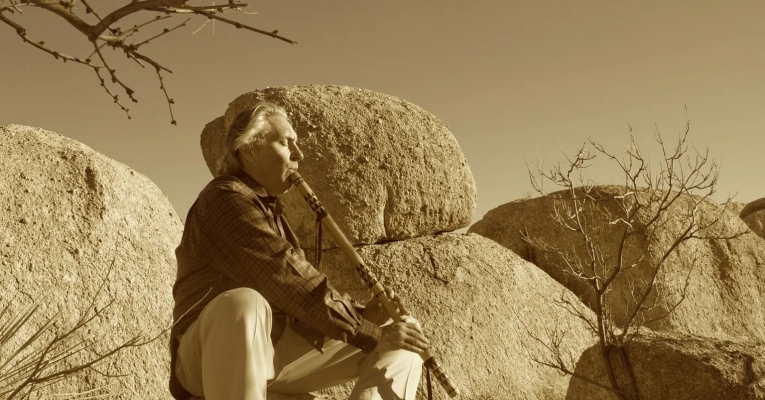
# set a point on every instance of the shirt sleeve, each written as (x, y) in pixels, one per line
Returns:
(243, 246)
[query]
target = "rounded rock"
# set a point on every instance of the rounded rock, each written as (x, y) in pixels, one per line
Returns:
(726, 286)
(88, 220)
(481, 307)
(756, 222)
(752, 207)
(384, 168)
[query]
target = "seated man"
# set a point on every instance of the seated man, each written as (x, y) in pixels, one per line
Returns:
(251, 314)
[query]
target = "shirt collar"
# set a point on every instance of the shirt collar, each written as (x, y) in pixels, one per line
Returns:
(269, 201)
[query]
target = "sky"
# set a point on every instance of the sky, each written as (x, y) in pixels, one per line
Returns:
(515, 81)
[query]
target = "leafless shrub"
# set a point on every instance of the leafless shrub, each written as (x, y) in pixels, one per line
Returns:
(661, 203)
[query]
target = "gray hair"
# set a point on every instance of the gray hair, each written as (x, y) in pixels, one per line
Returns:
(249, 127)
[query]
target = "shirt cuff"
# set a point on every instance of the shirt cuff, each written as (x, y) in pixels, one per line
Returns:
(367, 336)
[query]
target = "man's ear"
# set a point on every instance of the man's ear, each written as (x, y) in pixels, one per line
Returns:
(247, 153)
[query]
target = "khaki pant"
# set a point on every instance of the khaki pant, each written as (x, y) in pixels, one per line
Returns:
(227, 354)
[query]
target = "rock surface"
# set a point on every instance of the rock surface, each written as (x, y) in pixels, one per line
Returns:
(384, 168)
(477, 303)
(736, 207)
(66, 214)
(756, 222)
(751, 207)
(212, 142)
(671, 366)
(726, 290)
(753, 215)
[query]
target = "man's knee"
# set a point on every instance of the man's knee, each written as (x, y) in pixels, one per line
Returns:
(239, 303)
(410, 357)
(400, 359)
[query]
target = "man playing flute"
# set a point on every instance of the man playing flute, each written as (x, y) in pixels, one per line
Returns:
(251, 314)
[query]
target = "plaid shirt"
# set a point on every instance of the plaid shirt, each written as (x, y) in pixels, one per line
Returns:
(235, 236)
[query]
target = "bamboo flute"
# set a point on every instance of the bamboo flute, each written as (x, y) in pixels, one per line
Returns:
(366, 275)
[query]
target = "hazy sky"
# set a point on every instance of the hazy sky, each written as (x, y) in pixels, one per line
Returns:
(511, 79)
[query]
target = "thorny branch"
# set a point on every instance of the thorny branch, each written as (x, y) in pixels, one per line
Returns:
(108, 32)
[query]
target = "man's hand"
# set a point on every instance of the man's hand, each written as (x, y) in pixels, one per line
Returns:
(375, 313)
(403, 335)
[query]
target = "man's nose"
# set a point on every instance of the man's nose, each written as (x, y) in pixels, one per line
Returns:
(296, 155)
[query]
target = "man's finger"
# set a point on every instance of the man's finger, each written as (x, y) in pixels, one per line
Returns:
(395, 299)
(418, 335)
(414, 349)
(414, 323)
(400, 304)
(416, 342)
(391, 294)
(404, 310)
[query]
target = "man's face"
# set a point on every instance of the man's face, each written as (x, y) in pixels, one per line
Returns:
(271, 163)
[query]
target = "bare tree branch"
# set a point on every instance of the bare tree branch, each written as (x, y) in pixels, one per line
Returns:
(89, 10)
(107, 32)
(238, 25)
(164, 32)
(116, 99)
(170, 101)
(21, 31)
(135, 28)
(113, 73)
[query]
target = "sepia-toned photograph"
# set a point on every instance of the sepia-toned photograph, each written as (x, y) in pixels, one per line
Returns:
(382, 200)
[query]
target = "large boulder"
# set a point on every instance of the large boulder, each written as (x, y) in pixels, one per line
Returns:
(480, 306)
(753, 215)
(672, 366)
(384, 168)
(212, 142)
(726, 277)
(756, 222)
(70, 219)
(751, 207)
